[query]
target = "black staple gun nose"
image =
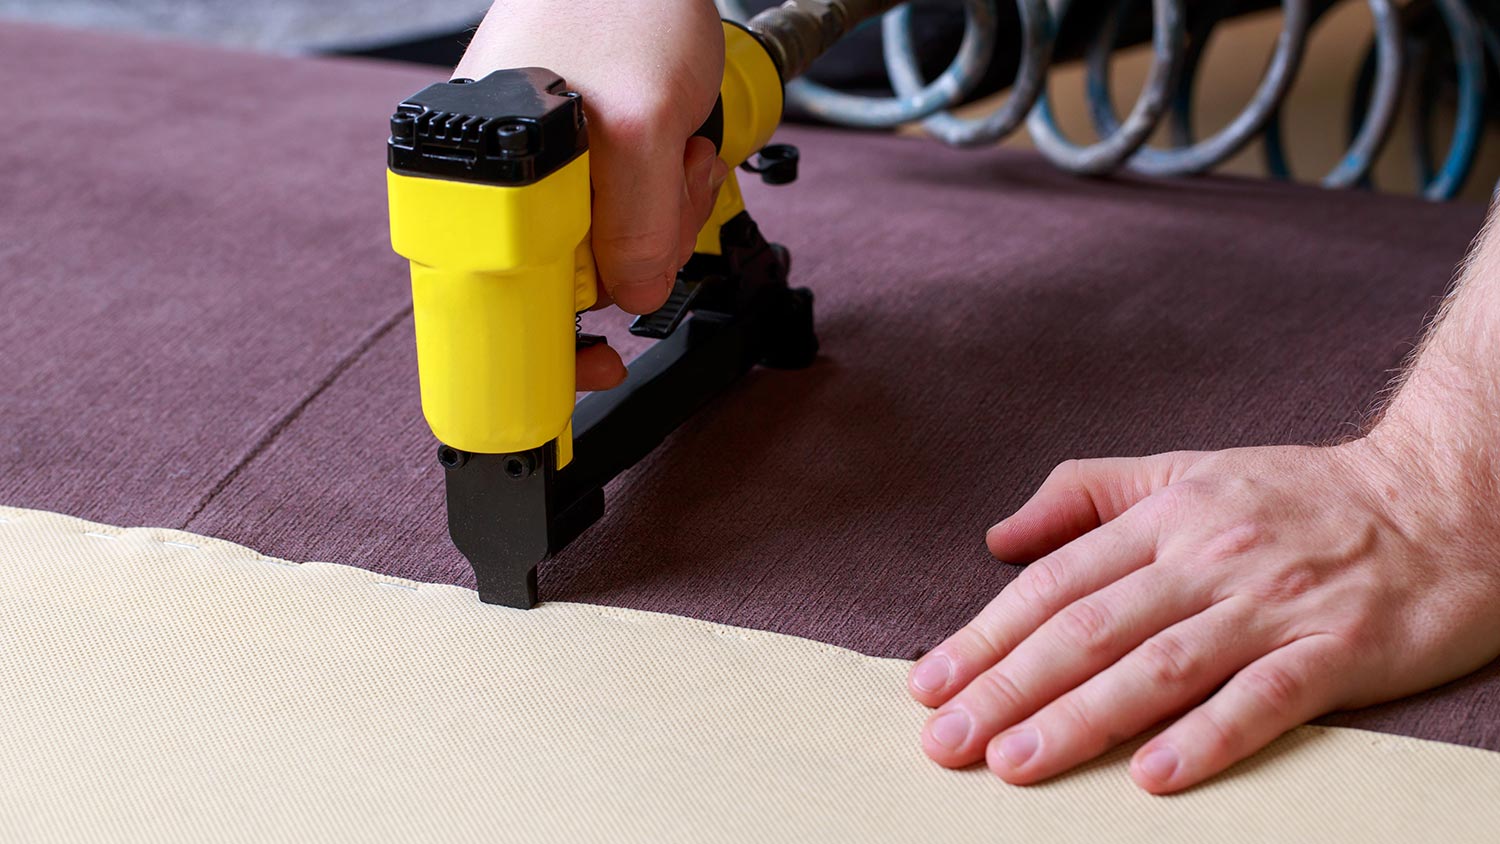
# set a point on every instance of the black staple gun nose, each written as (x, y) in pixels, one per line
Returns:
(508, 512)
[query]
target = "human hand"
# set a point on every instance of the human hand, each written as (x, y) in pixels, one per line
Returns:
(1301, 580)
(649, 74)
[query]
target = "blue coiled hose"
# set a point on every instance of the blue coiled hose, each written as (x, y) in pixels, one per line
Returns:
(1167, 95)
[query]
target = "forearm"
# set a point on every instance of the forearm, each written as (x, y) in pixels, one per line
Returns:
(611, 51)
(1447, 407)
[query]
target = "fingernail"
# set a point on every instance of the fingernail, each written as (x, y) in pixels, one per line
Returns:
(717, 174)
(1159, 763)
(1018, 745)
(950, 729)
(932, 673)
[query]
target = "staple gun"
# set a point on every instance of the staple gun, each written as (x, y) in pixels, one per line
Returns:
(489, 193)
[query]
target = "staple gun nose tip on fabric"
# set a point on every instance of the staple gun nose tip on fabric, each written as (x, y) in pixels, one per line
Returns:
(490, 201)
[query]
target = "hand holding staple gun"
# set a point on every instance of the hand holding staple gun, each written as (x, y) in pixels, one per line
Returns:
(1252, 589)
(650, 74)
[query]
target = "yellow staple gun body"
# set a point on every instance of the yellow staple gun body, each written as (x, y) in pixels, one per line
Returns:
(490, 201)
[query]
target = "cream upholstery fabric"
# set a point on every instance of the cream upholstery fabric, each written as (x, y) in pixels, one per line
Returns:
(160, 686)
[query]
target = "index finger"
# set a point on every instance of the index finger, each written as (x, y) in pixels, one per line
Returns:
(638, 189)
(1081, 567)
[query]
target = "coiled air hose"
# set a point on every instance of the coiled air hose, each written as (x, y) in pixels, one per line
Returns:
(798, 31)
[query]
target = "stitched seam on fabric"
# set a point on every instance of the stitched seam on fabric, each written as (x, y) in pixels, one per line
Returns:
(292, 414)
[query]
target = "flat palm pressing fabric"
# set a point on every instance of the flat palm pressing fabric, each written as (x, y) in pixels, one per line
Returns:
(203, 327)
(162, 686)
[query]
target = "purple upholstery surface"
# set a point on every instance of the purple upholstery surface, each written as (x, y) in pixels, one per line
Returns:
(203, 328)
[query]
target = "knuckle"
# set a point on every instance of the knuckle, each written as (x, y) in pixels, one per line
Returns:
(1285, 583)
(980, 640)
(1276, 690)
(1167, 661)
(1074, 476)
(997, 687)
(1075, 718)
(1041, 583)
(1220, 739)
(1237, 539)
(1085, 626)
(1245, 488)
(1067, 473)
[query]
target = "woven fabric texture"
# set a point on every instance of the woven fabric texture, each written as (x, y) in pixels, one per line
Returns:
(204, 328)
(162, 686)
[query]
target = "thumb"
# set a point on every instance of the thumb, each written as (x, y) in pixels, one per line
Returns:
(1078, 496)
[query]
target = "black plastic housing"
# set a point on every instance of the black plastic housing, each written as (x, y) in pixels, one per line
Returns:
(509, 512)
(512, 127)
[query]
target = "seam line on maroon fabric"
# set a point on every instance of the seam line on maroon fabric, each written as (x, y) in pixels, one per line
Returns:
(291, 415)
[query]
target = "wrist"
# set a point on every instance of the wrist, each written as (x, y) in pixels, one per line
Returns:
(1437, 448)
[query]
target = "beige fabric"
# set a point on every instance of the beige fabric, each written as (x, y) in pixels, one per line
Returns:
(159, 686)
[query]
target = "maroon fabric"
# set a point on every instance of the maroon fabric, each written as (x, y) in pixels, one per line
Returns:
(204, 328)
(191, 243)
